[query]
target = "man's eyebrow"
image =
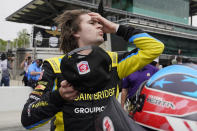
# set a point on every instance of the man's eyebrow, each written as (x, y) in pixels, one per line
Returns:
(92, 20)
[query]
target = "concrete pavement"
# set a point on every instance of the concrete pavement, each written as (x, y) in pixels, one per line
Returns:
(10, 121)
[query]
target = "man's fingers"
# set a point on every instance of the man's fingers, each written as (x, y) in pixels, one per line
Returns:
(93, 14)
(96, 16)
(68, 89)
(71, 95)
(64, 83)
(74, 95)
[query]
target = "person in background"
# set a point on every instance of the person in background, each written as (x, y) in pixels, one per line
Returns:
(179, 60)
(171, 60)
(5, 66)
(34, 72)
(24, 65)
(131, 83)
(174, 61)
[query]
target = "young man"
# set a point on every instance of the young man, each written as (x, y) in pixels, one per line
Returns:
(54, 98)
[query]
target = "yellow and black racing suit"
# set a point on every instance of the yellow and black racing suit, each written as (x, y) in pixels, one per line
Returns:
(45, 103)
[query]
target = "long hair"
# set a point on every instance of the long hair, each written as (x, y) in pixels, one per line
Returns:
(69, 23)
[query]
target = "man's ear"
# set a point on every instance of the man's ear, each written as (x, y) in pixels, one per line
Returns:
(76, 35)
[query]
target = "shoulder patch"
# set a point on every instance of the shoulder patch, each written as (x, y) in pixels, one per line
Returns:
(114, 58)
(55, 63)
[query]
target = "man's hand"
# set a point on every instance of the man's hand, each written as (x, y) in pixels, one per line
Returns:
(26, 56)
(67, 92)
(41, 74)
(108, 26)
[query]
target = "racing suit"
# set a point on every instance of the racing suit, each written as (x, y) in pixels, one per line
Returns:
(45, 103)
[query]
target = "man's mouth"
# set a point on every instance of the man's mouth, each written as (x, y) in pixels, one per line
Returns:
(101, 33)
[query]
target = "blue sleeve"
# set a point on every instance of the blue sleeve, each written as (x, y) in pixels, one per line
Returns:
(31, 68)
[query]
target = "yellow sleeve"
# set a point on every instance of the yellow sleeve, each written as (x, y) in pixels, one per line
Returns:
(149, 49)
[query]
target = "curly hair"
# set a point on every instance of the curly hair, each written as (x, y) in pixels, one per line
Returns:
(69, 23)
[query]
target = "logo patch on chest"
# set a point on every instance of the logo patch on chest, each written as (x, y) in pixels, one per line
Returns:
(83, 67)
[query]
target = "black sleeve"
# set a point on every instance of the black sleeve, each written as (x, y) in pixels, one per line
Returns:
(43, 103)
(127, 31)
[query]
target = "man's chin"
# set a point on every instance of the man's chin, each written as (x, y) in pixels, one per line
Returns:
(100, 42)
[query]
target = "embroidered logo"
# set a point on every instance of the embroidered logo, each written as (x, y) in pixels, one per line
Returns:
(107, 124)
(83, 67)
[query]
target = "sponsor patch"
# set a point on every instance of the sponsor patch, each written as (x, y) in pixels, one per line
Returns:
(39, 104)
(107, 124)
(89, 110)
(37, 93)
(40, 87)
(34, 97)
(83, 67)
(159, 101)
(42, 83)
(96, 96)
(29, 109)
